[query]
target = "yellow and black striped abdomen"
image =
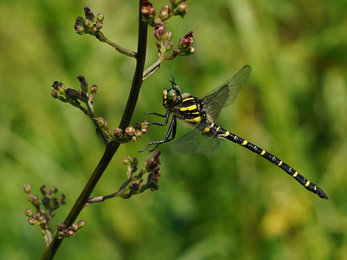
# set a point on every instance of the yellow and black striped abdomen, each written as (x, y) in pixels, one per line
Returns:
(222, 133)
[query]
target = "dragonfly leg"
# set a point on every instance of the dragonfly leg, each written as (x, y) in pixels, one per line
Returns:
(167, 115)
(171, 131)
(157, 114)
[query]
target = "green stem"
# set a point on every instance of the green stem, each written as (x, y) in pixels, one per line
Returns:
(121, 49)
(101, 37)
(112, 146)
(153, 68)
(123, 188)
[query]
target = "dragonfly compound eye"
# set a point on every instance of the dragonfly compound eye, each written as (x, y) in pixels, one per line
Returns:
(169, 97)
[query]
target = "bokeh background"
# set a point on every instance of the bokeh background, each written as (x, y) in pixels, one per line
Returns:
(231, 204)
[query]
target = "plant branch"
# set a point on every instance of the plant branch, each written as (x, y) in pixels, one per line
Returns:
(153, 68)
(112, 146)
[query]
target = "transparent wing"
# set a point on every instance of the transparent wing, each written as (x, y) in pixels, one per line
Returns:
(224, 95)
(195, 143)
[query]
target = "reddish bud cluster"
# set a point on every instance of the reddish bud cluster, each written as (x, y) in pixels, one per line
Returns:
(178, 7)
(91, 25)
(70, 231)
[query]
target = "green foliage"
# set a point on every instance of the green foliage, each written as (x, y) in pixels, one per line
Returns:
(230, 204)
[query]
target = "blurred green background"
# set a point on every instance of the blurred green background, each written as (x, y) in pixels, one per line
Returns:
(230, 204)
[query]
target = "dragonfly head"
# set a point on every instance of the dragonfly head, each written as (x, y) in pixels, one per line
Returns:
(170, 96)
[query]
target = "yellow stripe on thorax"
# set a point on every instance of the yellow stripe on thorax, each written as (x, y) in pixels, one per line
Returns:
(190, 108)
(194, 120)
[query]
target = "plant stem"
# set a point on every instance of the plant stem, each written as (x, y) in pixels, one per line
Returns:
(112, 146)
(153, 68)
(121, 49)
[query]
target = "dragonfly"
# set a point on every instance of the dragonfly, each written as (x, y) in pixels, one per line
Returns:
(201, 115)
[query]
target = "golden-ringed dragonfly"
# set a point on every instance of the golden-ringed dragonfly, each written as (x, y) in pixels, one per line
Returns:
(201, 113)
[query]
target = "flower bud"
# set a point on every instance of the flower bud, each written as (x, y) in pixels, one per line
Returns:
(33, 221)
(79, 21)
(59, 87)
(153, 162)
(46, 202)
(35, 198)
(128, 160)
(88, 24)
(182, 9)
(30, 198)
(153, 178)
(118, 132)
(134, 164)
(42, 220)
(191, 51)
(98, 25)
(89, 14)
(55, 93)
(137, 125)
(71, 233)
(159, 31)
(83, 96)
(27, 188)
(94, 89)
(135, 186)
(73, 95)
(84, 84)
(55, 203)
(61, 226)
(28, 212)
(94, 30)
(101, 122)
(175, 2)
(138, 133)
(53, 190)
(130, 130)
(81, 224)
(74, 227)
(79, 29)
(168, 36)
(44, 190)
(61, 199)
(164, 13)
(100, 17)
(60, 235)
(168, 46)
(186, 41)
(147, 9)
(144, 126)
(158, 21)
(34, 216)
